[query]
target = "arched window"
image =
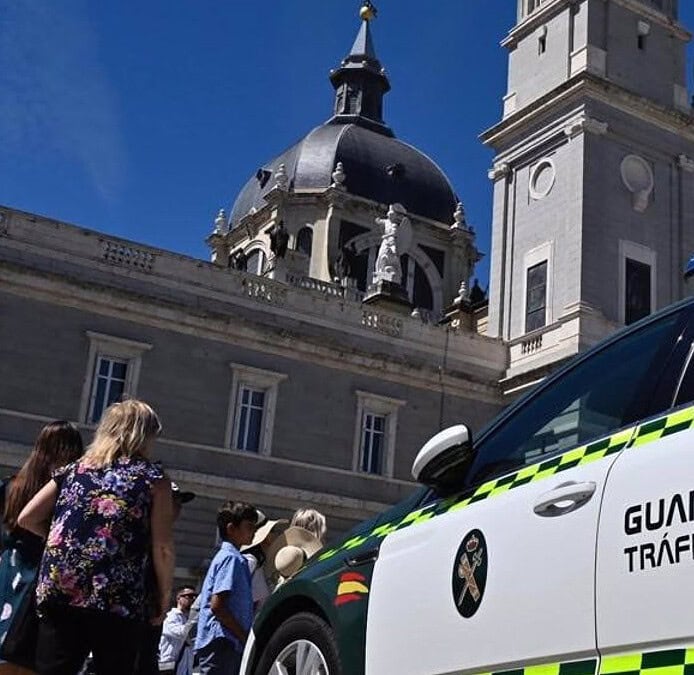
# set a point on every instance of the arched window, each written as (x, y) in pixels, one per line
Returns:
(304, 240)
(255, 262)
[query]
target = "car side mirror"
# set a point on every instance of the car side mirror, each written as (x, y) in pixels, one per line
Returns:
(444, 459)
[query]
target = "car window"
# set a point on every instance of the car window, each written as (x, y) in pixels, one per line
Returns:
(597, 396)
(685, 391)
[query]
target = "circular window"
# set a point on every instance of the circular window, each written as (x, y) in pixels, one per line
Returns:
(542, 178)
(637, 174)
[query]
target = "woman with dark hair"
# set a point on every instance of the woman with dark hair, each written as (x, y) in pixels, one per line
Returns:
(58, 444)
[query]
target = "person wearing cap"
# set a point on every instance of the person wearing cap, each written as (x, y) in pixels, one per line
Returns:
(260, 556)
(175, 654)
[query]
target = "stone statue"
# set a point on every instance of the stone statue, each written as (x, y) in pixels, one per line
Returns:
(477, 295)
(345, 262)
(395, 240)
(238, 260)
(279, 239)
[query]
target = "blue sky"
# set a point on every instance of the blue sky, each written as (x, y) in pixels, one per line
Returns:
(142, 119)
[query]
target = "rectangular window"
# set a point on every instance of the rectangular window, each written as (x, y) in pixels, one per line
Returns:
(250, 412)
(108, 385)
(373, 437)
(637, 286)
(252, 407)
(536, 297)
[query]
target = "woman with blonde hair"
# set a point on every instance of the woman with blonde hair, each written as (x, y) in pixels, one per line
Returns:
(311, 520)
(57, 444)
(102, 516)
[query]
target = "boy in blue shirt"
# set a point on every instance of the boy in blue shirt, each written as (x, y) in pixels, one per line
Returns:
(226, 600)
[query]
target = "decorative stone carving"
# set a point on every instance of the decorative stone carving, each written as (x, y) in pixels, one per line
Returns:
(338, 177)
(459, 221)
(396, 238)
(125, 255)
(499, 171)
(220, 222)
(585, 124)
(542, 178)
(685, 163)
(281, 178)
(637, 176)
(463, 293)
(279, 239)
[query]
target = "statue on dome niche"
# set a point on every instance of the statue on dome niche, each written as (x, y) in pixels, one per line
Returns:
(395, 240)
(279, 239)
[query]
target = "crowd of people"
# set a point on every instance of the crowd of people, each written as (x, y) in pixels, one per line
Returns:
(87, 564)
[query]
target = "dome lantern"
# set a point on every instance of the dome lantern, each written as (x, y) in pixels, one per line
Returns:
(360, 81)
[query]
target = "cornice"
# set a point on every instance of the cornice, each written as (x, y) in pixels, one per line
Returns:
(539, 17)
(599, 89)
(108, 301)
(534, 20)
(655, 16)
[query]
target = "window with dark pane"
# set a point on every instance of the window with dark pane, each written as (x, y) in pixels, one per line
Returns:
(422, 295)
(255, 262)
(599, 395)
(536, 297)
(372, 442)
(637, 302)
(250, 410)
(304, 240)
(108, 385)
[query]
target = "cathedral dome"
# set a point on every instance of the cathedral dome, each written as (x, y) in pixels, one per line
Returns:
(377, 165)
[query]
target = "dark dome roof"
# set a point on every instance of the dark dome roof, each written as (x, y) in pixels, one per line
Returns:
(368, 158)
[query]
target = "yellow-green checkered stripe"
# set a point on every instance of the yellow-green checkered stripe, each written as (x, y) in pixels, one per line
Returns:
(665, 426)
(663, 662)
(586, 667)
(639, 435)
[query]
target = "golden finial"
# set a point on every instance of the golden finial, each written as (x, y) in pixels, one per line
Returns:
(367, 11)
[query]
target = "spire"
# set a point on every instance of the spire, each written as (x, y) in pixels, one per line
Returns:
(360, 82)
(363, 45)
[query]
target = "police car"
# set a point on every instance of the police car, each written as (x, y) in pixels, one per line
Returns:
(558, 542)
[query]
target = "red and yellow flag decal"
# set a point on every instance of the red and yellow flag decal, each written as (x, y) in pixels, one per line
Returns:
(350, 588)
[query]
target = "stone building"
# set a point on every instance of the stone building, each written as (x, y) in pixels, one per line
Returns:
(593, 176)
(291, 370)
(334, 330)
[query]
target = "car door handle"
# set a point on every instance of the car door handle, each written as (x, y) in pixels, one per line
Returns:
(563, 499)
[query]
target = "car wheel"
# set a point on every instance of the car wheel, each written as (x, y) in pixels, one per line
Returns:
(303, 645)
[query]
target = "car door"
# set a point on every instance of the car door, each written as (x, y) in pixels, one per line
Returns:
(645, 562)
(501, 576)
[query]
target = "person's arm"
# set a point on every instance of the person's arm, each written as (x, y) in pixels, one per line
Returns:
(173, 627)
(37, 514)
(218, 605)
(162, 542)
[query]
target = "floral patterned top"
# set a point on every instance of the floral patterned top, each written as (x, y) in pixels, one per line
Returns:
(98, 545)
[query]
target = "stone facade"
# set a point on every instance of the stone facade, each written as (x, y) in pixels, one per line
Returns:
(196, 331)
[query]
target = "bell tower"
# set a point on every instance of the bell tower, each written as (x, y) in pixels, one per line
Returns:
(593, 176)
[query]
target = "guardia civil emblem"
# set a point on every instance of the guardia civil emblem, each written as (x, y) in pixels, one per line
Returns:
(470, 573)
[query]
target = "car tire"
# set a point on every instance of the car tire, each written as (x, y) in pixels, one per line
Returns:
(301, 641)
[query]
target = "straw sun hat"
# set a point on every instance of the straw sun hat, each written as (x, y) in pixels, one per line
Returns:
(261, 535)
(299, 546)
